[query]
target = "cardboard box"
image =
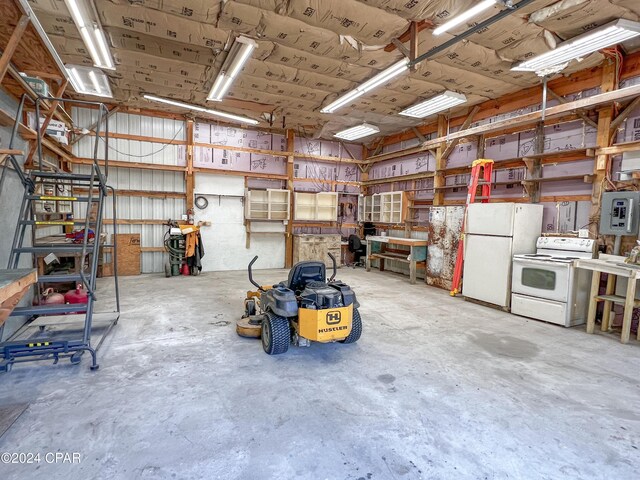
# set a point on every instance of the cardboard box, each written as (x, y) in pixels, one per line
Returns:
(39, 86)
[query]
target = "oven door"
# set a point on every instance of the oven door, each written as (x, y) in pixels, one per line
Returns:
(541, 279)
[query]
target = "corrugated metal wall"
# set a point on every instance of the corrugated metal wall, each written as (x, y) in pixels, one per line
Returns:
(128, 150)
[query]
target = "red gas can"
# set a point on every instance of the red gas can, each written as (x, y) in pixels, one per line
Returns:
(79, 295)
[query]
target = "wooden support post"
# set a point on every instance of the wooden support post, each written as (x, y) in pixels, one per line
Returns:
(441, 162)
(605, 115)
(364, 189)
(189, 175)
(14, 40)
(534, 165)
(481, 146)
(288, 251)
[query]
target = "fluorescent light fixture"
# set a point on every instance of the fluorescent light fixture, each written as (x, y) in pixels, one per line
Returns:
(104, 48)
(89, 81)
(602, 37)
(359, 131)
(188, 106)
(435, 104)
(464, 16)
(379, 79)
(238, 55)
(91, 33)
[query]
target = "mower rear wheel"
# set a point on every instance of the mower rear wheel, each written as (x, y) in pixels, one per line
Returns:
(276, 334)
(356, 328)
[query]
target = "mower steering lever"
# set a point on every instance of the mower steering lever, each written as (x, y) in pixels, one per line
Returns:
(333, 260)
(255, 284)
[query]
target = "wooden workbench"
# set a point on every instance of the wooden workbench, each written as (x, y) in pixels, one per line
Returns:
(55, 240)
(614, 266)
(377, 249)
(13, 286)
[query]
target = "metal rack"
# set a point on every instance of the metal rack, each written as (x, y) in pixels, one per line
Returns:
(59, 331)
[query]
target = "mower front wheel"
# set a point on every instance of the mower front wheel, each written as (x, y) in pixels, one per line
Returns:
(356, 328)
(276, 334)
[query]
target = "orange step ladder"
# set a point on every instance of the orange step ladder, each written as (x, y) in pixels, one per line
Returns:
(480, 169)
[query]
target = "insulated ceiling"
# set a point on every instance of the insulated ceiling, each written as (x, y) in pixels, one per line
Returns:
(311, 51)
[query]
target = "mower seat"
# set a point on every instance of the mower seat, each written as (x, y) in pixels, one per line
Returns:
(305, 272)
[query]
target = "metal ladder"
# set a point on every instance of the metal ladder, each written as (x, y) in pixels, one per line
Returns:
(92, 192)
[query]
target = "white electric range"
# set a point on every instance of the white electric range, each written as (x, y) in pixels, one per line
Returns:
(546, 285)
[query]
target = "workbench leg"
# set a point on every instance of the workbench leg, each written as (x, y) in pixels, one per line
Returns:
(367, 261)
(593, 302)
(628, 310)
(381, 260)
(611, 287)
(412, 268)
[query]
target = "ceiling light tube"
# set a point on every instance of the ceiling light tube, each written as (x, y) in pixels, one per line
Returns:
(89, 81)
(197, 108)
(375, 81)
(104, 48)
(359, 131)
(91, 34)
(75, 13)
(435, 104)
(88, 41)
(464, 16)
(602, 37)
(239, 53)
(76, 80)
(94, 80)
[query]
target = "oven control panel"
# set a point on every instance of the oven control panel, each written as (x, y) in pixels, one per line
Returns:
(620, 213)
(566, 244)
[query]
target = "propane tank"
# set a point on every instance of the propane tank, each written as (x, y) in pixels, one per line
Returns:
(79, 295)
(51, 297)
(185, 269)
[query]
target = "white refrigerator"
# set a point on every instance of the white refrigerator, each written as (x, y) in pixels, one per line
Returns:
(494, 233)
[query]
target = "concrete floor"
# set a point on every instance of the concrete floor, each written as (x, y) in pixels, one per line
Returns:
(437, 388)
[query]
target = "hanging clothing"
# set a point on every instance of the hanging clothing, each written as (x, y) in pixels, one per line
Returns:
(194, 249)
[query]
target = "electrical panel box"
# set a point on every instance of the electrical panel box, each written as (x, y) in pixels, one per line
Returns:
(620, 213)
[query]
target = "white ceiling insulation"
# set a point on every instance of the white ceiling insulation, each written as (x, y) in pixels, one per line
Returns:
(311, 51)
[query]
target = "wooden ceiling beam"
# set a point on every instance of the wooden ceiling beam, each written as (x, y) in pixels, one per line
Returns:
(12, 45)
(406, 36)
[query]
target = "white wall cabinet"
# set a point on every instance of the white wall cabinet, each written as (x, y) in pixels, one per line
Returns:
(270, 204)
(385, 207)
(321, 206)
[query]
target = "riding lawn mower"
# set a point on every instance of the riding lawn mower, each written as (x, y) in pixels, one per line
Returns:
(303, 309)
